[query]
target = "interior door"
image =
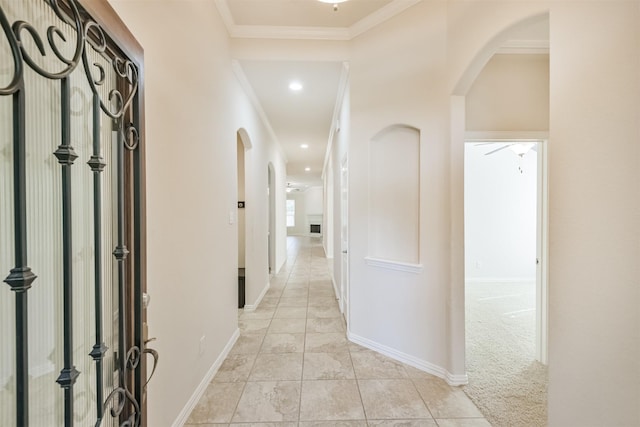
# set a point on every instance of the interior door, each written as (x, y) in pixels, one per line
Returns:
(72, 336)
(344, 238)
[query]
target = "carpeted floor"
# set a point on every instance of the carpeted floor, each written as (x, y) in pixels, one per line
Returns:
(505, 381)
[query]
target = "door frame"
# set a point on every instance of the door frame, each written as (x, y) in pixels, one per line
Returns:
(542, 236)
(344, 239)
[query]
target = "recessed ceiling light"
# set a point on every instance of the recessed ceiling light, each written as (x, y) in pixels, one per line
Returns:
(307, 169)
(295, 86)
(305, 146)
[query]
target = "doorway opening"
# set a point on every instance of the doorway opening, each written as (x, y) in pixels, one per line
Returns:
(241, 221)
(505, 224)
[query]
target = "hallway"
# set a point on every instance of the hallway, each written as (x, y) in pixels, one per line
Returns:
(293, 365)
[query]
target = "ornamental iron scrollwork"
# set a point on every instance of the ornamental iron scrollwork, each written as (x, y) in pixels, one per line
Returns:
(122, 403)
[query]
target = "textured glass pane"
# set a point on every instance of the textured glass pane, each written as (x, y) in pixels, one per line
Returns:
(44, 117)
(7, 297)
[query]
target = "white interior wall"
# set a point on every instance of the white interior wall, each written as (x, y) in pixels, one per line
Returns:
(314, 200)
(500, 215)
(194, 107)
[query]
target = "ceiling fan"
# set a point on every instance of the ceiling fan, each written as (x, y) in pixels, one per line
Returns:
(519, 148)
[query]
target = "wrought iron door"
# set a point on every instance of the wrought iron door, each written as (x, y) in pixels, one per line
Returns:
(72, 343)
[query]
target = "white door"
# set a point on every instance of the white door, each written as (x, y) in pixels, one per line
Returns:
(344, 238)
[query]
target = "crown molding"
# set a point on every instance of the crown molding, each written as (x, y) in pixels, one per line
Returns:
(311, 33)
(225, 14)
(381, 15)
(289, 33)
(524, 47)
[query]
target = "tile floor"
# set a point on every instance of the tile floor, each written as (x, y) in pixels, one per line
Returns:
(294, 367)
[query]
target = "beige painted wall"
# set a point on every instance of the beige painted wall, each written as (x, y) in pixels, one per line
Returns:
(594, 153)
(510, 94)
(594, 128)
(406, 71)
(194, 108)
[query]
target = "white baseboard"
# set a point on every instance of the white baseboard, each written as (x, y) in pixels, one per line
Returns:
(252, 307)
(202, 387)
(471, 280)
(423, 365)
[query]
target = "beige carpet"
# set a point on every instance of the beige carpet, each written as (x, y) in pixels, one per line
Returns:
(505, 381)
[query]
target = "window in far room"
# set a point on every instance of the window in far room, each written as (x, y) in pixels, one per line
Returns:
(291, 213)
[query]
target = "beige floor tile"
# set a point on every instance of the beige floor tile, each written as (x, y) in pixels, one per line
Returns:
(303, 372)
(415, 373)
(332, 342)
(263, 425)
(356, 348)
(330, 400)
(253, 326)
(269, 302)
(207, 425)
(275, 289)
(283, 343)
(247, 344)
(236, 367)
(291, 313)
(318, 301)
(392, 399)
(327, 366)
(259, 313)
(324, 312)
(332, 424)
(372, 365)
(217, 403)
(463, 422)
(324, 325)
(290, 326)
(403, 423)
(293, 302)
(268, 402)
(445, 401)
(277, 367)
(295, 293)
(321, 292)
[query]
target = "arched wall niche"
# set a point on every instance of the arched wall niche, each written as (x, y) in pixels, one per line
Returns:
(244, 137)
(394, 194)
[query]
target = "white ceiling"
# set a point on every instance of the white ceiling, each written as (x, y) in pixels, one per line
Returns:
(306, 117)
(303, 117)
